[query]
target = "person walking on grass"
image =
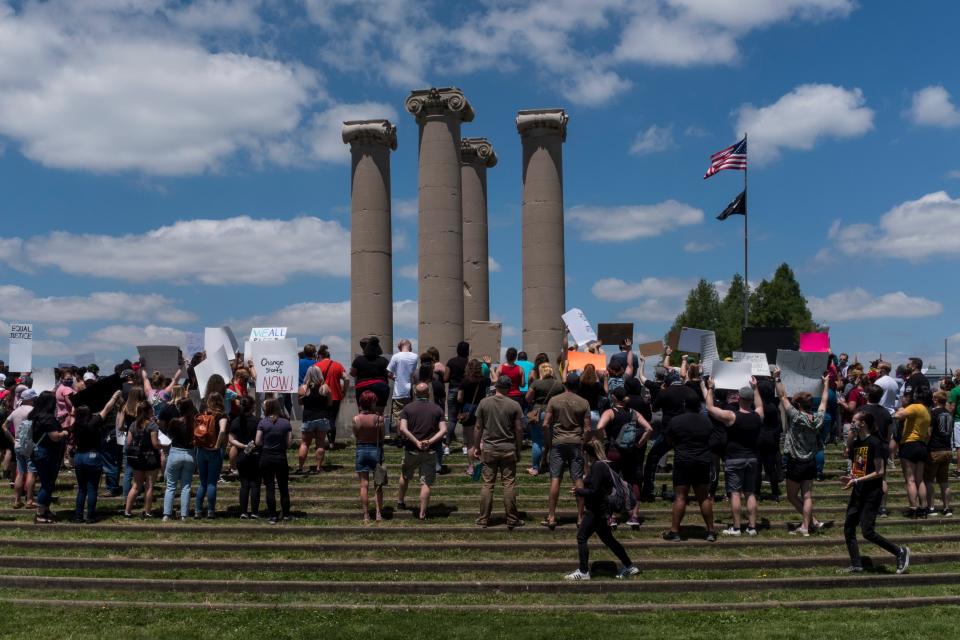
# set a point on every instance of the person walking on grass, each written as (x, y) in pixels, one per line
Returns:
(800, 446)
(594, 493)
(499, 434)
(422, 427)
(566, 424)
(368, 432)
(868, 455)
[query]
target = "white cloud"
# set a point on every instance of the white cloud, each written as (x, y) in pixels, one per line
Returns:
(219, 15)
(694, 131)
(914, 230)
(619, 224)
(127, 336)
(58, 332)
(654, 139)
(858, 304)
(409, 271)
(108, 88)
(324, 136)
(652, 310)
(932, 107)
(406, 208)
(955, 174)
(493, 265)
(617, 290)
(19, 304)
(308, 319)
(802, 117)
(698, 247)
(208, 251)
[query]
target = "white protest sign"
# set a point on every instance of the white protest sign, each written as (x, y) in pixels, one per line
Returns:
(758, 362)
(215, 363)
(21, 347)
(278, 366)
(802, 370)
(247, 351)
(261, 334)
(44, 379)
(708, 352)
(690, 339)
(731, 375)
(216, 337)
(194, 343)
(580, 329)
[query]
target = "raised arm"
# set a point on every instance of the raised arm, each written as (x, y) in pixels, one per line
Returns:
(757, 400)
(781, 390)
(107, 408)
(825, 395)
(723, 416)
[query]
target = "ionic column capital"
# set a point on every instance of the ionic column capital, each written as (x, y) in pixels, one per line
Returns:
(477, 150)
(439, 101)
(370, 132)
(529, 120)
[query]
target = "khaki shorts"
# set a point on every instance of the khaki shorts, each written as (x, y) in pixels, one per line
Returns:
(937, 467)
(423, 463)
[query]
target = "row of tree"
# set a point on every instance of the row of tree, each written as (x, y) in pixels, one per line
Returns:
(777, 302)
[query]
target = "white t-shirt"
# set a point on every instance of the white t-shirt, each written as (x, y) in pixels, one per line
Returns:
(402, 365)
(891, 390)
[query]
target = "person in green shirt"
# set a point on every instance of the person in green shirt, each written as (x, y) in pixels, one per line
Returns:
(953, 405)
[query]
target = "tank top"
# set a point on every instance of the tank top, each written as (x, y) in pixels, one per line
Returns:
(620, 418)
(315, 405)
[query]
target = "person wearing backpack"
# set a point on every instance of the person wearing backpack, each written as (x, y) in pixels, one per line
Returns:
(209, 437)
(600, 485)
(143, 455)
(626, 433)
(45, 447)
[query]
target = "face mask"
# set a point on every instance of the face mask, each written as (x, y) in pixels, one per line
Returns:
(68, 382)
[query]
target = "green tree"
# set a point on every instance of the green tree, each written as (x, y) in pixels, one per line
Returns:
(780, 303)
(702, 310)
(730, 327)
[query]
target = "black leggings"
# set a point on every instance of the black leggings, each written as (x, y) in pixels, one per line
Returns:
(770, 465)
(657, 451)
(250, 490)
(597, 523)
(276, 473)
(862, 509)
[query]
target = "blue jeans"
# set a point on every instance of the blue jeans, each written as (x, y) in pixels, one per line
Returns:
(536, 437)
(88, 467)
(110, 457)
(209, 464)
(453, 410)
(180, 465)
(127, 475)
(48, 461)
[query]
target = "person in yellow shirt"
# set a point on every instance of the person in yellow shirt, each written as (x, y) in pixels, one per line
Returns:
(913, 451)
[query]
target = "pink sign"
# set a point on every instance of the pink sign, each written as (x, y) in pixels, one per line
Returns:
(815, 342)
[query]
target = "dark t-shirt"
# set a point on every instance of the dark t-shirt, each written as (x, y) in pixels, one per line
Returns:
(168, 413)
(941, 430)
(457, 367)
(742, 436)
(863, 454)
(44, 423)
(690, 435)
(182, 437)
(370, 368)
(620, 358)
(244, 428)
(769, 436)
(882, 420)
(596, 488)
(274, 439)
(592, 394)
(671, 401)
(89, 436)
(423, 420)
(473, 392)
(641, 406)
(917, 382)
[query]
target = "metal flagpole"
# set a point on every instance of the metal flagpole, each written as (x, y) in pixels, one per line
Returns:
(746, 276)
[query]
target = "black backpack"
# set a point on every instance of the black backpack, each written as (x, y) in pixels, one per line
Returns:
(620, 498)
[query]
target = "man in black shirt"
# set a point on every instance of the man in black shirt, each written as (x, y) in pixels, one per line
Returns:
(917, 386)
(940, 448)
(883, 426)
(670, 401)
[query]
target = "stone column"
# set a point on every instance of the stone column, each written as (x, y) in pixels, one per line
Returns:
(439, 113)
(371, 251)
(476, 156)
(542, 132)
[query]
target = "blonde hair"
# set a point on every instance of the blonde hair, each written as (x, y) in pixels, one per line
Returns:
(546, 370)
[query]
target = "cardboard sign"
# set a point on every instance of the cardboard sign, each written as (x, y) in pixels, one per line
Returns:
(194, 343)
(164, 359)
(278, 366)
(44, 379)
(801, 371)
(263, 334)
(215, 363)
(484, 339)
(96, 395)
(614, 332)
(815, 342)
(731, 375)
(580, 329)
(708, 352)
(768, 340)
(577, 360)
(758, 362)
(690, 339)
(21, 347)
(673, 339)
(648, 349)
(216, 337)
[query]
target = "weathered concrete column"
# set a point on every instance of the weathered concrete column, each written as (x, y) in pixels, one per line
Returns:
(439, 113)
(476, 156)
(542, 132)
(371, 249)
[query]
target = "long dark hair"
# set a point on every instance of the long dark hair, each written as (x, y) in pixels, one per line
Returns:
(45, 404)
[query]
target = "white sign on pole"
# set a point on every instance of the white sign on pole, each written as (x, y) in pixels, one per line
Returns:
(758, 362)
(21, 347)
(216, 337)
(802, 371)
(580, 329)
(278, 366)
(731, 375)
(262, 334)
(708, 352)
(216, 362)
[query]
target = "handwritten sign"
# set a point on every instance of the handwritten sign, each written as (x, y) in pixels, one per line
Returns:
(708, 352)
(262, 334)
(580, 329)
(577, 360)
(815, 342)
(21, 347)
(277, 365)
(194, 343)
(801, 371)
(731, 375)
(758, 362)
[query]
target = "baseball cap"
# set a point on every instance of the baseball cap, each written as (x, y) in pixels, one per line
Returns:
(504, 382)
(746, 393)
(29, 394)
(88, 376)
(127, 373)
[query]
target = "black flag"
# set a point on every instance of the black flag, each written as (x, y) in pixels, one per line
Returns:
(737, 207)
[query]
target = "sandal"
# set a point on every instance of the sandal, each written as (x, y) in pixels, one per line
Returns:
(533, 472)
(549, 524)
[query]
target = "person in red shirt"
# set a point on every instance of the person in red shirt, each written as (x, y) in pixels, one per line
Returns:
(335, 377)
(515, 372)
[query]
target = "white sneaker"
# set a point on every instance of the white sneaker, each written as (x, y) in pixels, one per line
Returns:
(626, 572)
(446, 451)
(731, 531)
(465, 451)
(751, 531)
(577, 575)
(800, 531)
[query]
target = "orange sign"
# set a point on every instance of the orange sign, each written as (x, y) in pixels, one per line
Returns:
(577, 360)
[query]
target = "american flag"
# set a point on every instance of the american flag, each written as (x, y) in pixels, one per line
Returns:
(733, 157)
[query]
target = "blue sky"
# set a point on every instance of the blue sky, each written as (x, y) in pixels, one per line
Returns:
(169, 165)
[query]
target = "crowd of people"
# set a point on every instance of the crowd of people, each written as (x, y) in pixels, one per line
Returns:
(610, 430)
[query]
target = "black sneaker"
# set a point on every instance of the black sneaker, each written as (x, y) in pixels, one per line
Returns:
(711, 536)
(671, 536)
(931, 511)
(910, 514)
(401, 506)
(882, 513)
(903, 560)
(947, 513)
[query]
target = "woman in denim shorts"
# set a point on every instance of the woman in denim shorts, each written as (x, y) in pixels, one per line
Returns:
(368, 433)
(315, 397)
